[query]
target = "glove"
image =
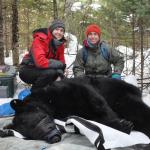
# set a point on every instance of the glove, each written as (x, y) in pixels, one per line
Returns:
(116, 76)
(60, 73)
(56, 64)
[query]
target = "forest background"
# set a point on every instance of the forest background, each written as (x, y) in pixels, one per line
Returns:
(123, 22)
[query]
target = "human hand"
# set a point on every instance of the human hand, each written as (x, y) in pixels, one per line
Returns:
(56, 64)
(60, 73)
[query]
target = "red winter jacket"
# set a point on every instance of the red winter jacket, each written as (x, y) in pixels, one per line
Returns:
(42, 50)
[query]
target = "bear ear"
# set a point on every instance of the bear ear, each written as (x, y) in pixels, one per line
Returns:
(16, 104)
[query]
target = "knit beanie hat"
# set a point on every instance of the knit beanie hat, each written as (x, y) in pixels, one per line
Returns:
(55, 24)
(93, 28)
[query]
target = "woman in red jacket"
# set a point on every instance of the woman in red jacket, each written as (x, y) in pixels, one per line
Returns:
(46, 56)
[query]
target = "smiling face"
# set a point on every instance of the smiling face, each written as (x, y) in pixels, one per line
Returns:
(93, 37)
(58, 33)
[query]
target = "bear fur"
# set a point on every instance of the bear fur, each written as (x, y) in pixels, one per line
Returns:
(109, 101)
(33, 121)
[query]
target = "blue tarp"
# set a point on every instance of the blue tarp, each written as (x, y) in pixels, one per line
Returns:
(6, 110)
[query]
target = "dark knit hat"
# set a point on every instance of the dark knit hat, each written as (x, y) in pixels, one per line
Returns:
(55, 24)
(93, 28)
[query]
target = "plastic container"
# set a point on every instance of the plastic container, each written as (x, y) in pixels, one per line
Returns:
(8, 83)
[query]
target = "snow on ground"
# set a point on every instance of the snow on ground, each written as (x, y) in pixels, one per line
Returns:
(129, 63)
(146, 99)
(125, 50)
(131, 79)
(76, 6)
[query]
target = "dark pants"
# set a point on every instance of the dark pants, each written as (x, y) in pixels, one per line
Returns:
(37, 77)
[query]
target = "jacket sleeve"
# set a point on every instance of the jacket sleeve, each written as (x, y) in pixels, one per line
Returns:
(78, 67)
(38, 52)
(117, 59)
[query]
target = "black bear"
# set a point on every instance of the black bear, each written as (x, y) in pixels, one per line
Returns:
(108, 101)
(33, 121)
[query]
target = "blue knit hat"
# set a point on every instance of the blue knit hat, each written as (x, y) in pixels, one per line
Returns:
(55, 24)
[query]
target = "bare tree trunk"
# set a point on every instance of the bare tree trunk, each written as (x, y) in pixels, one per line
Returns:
(6, 39)
(55, 9)
(133, 43)
(67, 7)
(142, 56)
(126, 58)
(1, 36)
(28, 31)
(15, 46)
(64, 9)
(67, 12)
(112, 34)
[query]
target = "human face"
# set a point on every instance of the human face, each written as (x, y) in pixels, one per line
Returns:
(58, 33)
(93, 37)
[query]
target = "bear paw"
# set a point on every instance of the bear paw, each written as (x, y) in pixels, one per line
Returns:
(126, 126)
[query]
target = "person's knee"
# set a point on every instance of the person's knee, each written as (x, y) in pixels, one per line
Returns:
(27, 75)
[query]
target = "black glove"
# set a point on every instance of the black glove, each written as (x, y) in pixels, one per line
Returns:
(60, 73)
(55, 64)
